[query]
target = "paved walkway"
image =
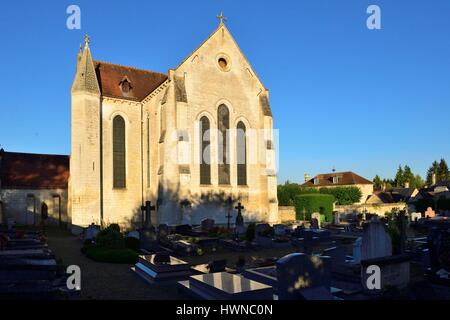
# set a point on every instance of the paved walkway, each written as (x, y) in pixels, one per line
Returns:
(106, 280)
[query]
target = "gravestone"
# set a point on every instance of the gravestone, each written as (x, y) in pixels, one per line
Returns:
(261, 228)
(337, 255)
(315, 215)
(239, 217)
(280, 229)
(376, 242)
(298, 271)
(161, 266)
(430, 213)
(207, 224)
(357, 245)
(217, 265)
(163, 231)
(336, 218)
(91, 232)
(225, 286)
(415, 216)
(133, 234)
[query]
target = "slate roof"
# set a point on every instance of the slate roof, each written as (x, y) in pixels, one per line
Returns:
(143, 82)
(345, 178)
(33, 171)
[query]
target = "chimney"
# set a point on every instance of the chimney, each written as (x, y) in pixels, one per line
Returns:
(383, 187)
(307, 177)
(407, 184)
(433, 179)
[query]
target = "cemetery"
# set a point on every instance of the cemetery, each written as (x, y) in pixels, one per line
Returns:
(310, 259)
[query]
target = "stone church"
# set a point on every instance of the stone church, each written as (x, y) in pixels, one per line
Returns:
(195, 141)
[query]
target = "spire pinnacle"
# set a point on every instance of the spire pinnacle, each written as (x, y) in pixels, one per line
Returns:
(221, 17)
(86, 40)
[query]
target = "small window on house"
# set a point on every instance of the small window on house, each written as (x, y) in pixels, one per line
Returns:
(335, 180)
(316, 181)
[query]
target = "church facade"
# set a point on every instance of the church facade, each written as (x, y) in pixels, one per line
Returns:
(194, 142)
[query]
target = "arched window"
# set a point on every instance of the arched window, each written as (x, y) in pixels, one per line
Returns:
(241, 145)
(223, 118)
(119, 177)
(205, 156)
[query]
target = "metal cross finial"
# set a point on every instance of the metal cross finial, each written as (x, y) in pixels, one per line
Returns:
(221, 17)
(86, 39)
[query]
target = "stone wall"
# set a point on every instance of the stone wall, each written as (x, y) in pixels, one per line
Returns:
(286, 214)
(379, 209)
(24, 205)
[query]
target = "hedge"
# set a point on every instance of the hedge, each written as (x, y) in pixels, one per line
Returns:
(101, 254)
(342, 195)
(314, 202)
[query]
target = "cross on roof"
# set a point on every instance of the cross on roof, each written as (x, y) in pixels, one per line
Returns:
(221, 17)
(86, 39)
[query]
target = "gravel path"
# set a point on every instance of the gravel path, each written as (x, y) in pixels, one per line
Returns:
(105, 280)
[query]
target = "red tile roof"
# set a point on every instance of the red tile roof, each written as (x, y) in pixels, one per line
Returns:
(33, 171)
(143, 82)
(345, 178)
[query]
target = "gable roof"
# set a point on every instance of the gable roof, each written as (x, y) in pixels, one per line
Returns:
(143, 82)
(345, 178)
(33, 171)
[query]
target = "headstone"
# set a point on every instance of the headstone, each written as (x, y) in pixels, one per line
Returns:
(133, 234)
(163, 231)
(430, 213)
(207, 224)
(298, 271)
(376, 242)
(415, 216)
(91, 232)
(261, 228)
(161, 267)
(315, 215)
(239, 217)
(280, 229)
(357, 250)
(225, 286)
(336, 218)
(217, 266)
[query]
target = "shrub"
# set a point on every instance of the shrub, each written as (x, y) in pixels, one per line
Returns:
(110, 238)
(314, 202)
(344, 195)
(132, 243)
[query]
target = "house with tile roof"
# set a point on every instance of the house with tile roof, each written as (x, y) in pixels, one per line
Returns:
(341, 179)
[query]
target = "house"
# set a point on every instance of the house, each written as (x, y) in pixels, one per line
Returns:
(341, 179)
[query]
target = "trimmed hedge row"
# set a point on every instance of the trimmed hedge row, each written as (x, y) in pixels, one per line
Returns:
(314, 202)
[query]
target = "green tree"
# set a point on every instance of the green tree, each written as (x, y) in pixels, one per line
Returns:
(399, 180)
(418, 182)
(377, 183)
(432, 170)
(408, 176)
(443, 173)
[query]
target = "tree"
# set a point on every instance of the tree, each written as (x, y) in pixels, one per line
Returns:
(399, 180)
(432, 170)
(377, 183)
(443, 174)
(418, 182)
(408, 176)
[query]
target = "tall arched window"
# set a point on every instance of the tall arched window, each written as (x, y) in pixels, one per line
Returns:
(119, 161)
(223, 120)
(205, 156)
(241, 145)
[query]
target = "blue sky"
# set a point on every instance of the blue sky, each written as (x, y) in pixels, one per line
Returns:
(342, 95)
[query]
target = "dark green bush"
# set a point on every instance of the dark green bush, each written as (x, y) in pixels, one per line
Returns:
(110, 238)
(132, 243)
(315, 202)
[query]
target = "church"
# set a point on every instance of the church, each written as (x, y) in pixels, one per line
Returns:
(194, 141)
